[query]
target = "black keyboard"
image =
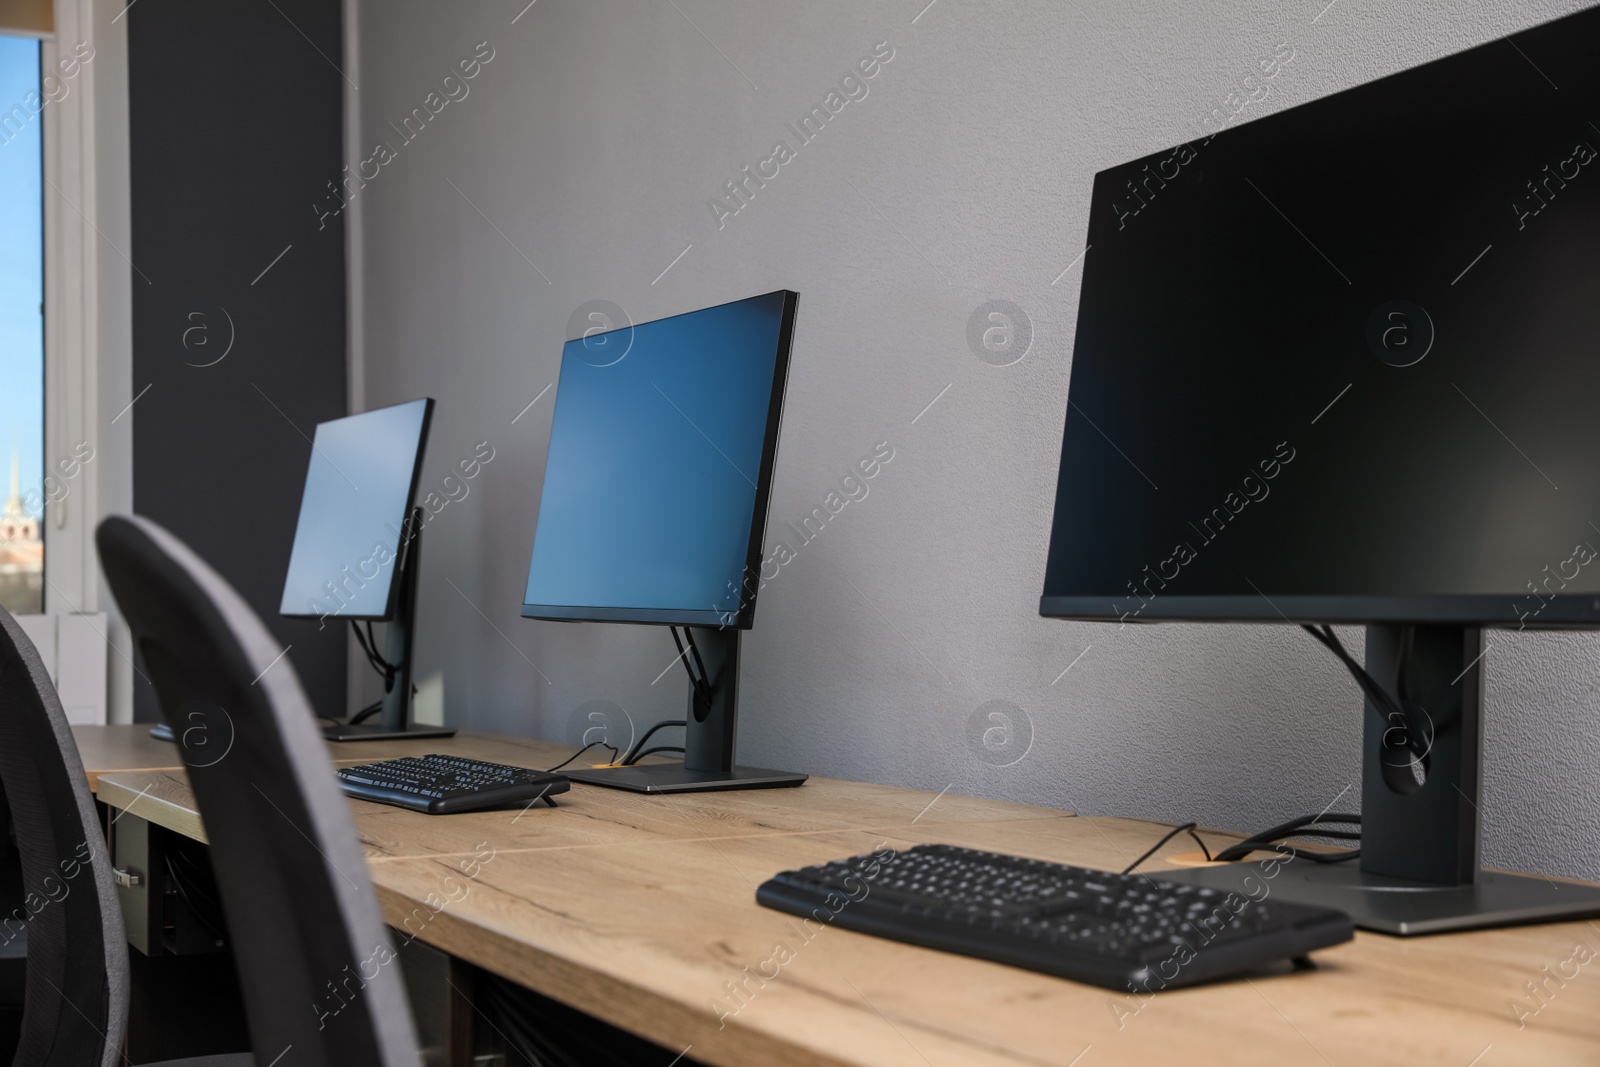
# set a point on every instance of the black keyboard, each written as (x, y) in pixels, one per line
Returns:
(445, 785)
(1110, 930)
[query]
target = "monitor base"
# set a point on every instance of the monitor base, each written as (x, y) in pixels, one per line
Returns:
(676, 778)
(162, 732)
(378, 732)
(1398, 905)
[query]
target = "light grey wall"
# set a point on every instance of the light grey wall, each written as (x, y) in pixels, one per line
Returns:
(580, 166)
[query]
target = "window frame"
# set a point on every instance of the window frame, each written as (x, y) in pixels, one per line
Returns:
(87, 343)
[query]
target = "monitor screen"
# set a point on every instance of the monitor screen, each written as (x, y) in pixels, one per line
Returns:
(656, 479)
(1343, 362)
(359, 487)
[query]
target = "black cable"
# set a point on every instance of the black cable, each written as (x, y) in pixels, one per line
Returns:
(368, 643)
(653, 751)
(694, 649)
(361, 639)
(1338, 835)
(1416, 741)
(1369, 685)
(683, 654)
(637, 745)
(365, 713)
(1342, 856)
(581, 751)
(1304, 826)
(1174, 832)
(702, 688)
(369, 711)
(382, 660)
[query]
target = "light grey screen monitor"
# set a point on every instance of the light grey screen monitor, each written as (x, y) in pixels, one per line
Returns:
(359, 486)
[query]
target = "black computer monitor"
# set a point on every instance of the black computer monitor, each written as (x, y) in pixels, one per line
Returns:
(357, 545)
(655, 505)
(1338, 365)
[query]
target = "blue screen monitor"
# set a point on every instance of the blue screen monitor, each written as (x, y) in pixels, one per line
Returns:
(656, 480)
(359, 486)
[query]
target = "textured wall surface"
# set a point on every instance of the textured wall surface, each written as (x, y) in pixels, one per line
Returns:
(579, 166)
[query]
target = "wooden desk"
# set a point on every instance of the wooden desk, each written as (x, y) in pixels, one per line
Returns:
(127, 747)
(637, 910)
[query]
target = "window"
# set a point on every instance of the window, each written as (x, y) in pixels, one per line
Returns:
(21, 327)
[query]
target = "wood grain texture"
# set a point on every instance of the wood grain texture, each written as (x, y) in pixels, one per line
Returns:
(647, 937)
(160, 797)
(124, 747)
(641, 911)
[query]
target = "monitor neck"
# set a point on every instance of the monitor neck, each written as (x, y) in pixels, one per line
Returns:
(711, 730)
(1428, 832)
(713, 724)
(396, 715)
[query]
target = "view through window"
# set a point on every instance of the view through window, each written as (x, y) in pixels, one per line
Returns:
(21, 327)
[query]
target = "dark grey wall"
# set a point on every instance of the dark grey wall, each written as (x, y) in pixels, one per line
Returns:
(235, 115)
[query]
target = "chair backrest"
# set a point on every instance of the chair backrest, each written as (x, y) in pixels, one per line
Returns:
(76, 1002)
(315, 961)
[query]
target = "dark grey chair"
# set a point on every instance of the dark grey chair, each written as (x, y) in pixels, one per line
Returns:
(316, 966)
(76, 1006)
(76, 1000)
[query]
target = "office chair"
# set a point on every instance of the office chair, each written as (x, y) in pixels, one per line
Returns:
(70, 928)
(315, 963)
(13, 942)
(75, 1008)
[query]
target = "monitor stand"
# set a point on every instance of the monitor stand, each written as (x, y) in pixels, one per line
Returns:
(1419, 869)
(394, 722)
(709, 743)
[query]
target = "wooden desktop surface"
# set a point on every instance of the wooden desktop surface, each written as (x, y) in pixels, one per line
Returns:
(127, 747)
(640, 910)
